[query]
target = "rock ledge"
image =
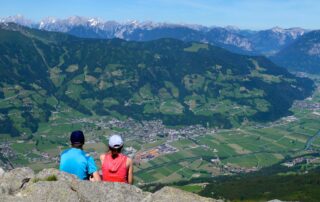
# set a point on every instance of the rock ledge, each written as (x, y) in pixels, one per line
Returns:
(22, 184)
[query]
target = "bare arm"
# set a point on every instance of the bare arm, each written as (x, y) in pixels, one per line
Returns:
(92, 170)
(102, 158)
(130, 171)
(96, 177)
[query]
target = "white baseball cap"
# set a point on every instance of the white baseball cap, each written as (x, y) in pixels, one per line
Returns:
(115, 141)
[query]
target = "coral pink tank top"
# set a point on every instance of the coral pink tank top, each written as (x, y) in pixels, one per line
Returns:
(115, 170)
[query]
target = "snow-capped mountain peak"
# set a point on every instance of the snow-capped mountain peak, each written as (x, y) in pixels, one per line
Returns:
(18, 19)
(93, 22)
(229, 37)
(277, 30)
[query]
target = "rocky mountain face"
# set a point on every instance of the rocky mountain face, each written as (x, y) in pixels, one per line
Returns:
(50, 185)
(269, 42)
(265, 42)
(180, 83)
(303, 55)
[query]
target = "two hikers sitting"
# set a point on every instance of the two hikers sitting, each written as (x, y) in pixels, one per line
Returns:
(116, 167)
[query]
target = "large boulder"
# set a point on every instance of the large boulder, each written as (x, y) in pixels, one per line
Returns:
(51, 185)
(46, 174)
(101, 191)
(48, 191)
(167, 194)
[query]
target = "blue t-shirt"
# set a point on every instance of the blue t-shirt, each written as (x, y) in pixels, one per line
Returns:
(77, 162)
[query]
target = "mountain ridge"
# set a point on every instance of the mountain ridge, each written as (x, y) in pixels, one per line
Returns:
(302, 55)
(231, 38)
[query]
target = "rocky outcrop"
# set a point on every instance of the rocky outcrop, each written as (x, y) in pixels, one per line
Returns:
(11, 182)
(22, 184)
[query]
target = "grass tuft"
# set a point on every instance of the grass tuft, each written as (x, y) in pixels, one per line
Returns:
(48, 179)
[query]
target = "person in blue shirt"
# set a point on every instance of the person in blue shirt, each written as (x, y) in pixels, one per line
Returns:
(76, 161)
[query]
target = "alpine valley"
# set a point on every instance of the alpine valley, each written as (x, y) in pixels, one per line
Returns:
(200, 108)
(180, 83)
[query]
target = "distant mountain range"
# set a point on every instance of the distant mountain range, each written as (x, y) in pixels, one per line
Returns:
(178, 82)
(266, 42)
(302, 55)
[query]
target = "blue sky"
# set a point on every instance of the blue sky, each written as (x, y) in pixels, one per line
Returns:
(253, 14)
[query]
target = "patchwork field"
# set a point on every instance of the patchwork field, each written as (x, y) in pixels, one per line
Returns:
(251, 146)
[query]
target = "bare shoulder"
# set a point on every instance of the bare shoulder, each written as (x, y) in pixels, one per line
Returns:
(129, 161)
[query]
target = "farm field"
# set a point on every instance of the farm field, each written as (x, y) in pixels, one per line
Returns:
(251, 146)
(247, 147)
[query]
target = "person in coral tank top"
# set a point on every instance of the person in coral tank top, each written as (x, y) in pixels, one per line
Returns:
(116, 167)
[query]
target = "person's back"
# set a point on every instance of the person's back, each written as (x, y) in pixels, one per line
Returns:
(116, 167)
(76, 161)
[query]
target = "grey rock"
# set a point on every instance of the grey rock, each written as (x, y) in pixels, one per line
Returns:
(61, 176)
(101, 191)
(7, 198)
(48, 191)
(14, 180)
(167, 194)
(67, 187)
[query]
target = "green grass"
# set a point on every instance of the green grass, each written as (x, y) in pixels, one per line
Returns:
(171, 107)
(186, 173)
(147, 176)
(145, 92)
(72, 68)
(108, 102)
(191, 188)
(194, 82)
(49, 179)
(135, 144)
(153, 144)
(182, 144)
(195, 47)
(23, 148)
(243, 161)
(173, 89)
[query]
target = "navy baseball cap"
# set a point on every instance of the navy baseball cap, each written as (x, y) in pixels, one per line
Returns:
(77, 137)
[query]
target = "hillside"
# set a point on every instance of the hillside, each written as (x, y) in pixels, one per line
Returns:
(303, 55)
(177, 82)
(297, 183)
(285, 186)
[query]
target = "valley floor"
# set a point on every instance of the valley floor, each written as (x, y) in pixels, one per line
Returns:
(165, 155)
